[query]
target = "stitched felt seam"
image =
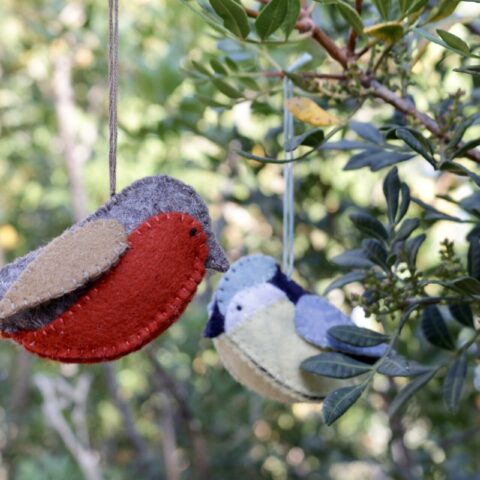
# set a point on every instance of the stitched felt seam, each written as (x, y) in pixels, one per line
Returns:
(60, 269)
(37, 341)
(280, 389)
(143, 199)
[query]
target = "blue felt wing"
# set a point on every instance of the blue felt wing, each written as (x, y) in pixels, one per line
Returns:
(314, 316)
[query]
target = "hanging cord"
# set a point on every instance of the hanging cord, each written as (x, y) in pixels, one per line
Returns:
(288, 172)
(113, 92)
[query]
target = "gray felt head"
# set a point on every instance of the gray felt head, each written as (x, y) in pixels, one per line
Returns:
(162, 194)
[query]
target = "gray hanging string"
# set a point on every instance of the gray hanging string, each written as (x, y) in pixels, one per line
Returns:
(288, 172)
(113, 92)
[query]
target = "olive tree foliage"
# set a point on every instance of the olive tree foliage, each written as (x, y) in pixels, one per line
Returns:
(365, 55)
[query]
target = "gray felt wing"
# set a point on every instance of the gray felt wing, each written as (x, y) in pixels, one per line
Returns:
(314, 316)
(78, 256)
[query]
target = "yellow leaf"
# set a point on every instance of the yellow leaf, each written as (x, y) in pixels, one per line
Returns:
(258, 151)
(307, 111)
(389, 32)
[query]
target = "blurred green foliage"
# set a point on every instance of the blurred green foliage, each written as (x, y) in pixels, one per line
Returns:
(191, 98)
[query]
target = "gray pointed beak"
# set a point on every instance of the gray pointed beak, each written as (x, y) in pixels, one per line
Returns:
(217, 260)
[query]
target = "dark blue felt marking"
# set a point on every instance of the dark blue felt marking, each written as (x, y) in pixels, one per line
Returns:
(216, 323)
(292, 289)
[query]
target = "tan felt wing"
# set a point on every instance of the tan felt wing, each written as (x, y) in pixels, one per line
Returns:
(65, 264)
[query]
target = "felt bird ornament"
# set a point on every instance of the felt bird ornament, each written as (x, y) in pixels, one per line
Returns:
(114, 281)
(264, 326)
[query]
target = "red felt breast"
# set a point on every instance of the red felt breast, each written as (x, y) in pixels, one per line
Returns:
(135, 301)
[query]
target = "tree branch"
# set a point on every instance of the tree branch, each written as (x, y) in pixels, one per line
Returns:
(352, 40)
(305, 25)
(408, 108)
(164, 382)
(57, 395)
(377, 89)
(128, 421)
(65, 110)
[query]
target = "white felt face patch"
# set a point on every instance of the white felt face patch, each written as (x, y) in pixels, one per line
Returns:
(250, 301)
(245, 273)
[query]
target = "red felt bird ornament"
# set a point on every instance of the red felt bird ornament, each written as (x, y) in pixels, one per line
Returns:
(116, 280)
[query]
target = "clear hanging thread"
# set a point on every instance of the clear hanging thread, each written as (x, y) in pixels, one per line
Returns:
(288, 177)
(288, 172)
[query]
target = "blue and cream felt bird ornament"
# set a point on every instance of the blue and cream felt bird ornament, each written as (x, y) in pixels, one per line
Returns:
(264, 326)
(114, 281)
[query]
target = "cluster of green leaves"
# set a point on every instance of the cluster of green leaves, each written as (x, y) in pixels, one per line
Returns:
(395, 288)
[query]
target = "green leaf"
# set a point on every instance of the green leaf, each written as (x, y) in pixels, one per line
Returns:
(375, 252)
(466, 147)
(389, 32)
(432, 214)
(454, 382)
(474, 256)
(391, 190)
(417, 142)
(406, 229)
(461, 129)
(383, 7)
(416, 6)
(470, 69)
(293, 12)
(357, 336)
(351, 16)
(397, 366)
(405, 203)
(454, 42)
(409, 391)
(466, 285)
(226, 88)
(350, 277)
(311, 138)
(462, 313)
(403, 5)
(369, 225)
(334, 365)
(435, 329)
(271, 18)
(201, 68)
(412, 247)
(352, 259)
(339, 401)
(233, 15)
(218, 67)
(443, 9)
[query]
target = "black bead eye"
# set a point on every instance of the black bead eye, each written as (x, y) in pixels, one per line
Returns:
(193, 232)
(239, 308)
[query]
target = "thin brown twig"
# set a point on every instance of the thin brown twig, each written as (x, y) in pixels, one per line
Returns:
(306, 25)
(377, 89)
(352, 39)
(323, 76)
(408, 108)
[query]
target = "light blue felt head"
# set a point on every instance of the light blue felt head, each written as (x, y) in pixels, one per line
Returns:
(244, 273)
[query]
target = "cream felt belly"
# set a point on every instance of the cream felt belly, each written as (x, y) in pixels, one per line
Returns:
(246, 372)
(269, 339)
